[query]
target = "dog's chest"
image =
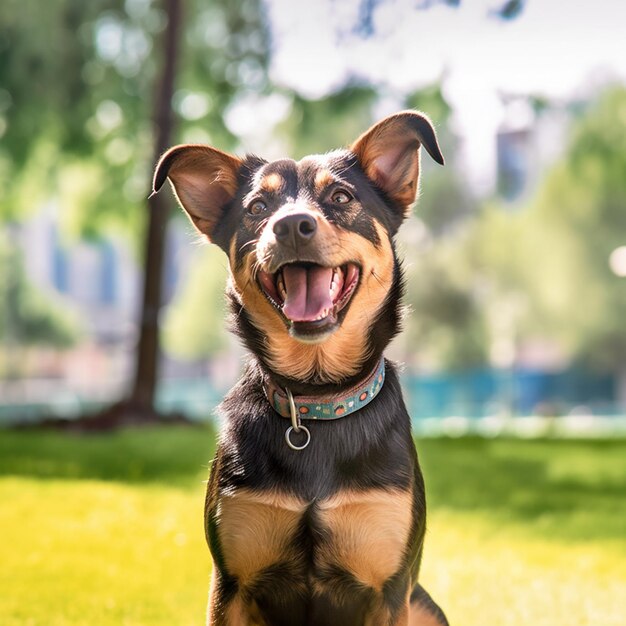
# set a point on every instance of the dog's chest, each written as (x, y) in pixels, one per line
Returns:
(362, 533)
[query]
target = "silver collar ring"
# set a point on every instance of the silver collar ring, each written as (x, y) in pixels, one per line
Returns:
(296, 425)
(292, 445)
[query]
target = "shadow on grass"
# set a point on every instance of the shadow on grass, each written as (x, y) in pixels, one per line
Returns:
(560, 488)
(565, 489)
(170, 455)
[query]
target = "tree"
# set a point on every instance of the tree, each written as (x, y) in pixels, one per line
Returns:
(540, 272)
(77, 82)
(94, 66)
(447, 327)
(582, 205)
(555, 252)
(141, 400)
(142, 395)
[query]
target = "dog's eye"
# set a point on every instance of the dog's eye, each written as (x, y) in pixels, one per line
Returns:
(257, 207)
(341, 197)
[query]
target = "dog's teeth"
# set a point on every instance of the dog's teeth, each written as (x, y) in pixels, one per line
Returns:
(322, 315)
(337, 282)
(280, 285)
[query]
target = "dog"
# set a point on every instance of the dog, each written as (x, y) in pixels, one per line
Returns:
(315, 508)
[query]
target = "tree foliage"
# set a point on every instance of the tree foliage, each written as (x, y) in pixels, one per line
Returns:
(77, 92)
(76, 98)
(193, 328)
(555, 252)
(536, 272)
(446, 327)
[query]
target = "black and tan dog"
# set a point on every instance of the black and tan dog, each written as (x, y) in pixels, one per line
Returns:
(315, 511)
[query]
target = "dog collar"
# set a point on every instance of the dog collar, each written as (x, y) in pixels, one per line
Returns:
(327, 407)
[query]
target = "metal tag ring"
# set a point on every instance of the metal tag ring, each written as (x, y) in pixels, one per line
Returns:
(292, 445)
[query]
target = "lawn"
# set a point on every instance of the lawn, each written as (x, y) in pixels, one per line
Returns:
(107, 530)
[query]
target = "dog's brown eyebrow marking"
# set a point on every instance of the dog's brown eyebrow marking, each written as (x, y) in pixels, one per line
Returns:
(323, 179)
(272, 182)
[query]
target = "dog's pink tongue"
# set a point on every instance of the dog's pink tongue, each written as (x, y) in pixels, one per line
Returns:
(308, 292)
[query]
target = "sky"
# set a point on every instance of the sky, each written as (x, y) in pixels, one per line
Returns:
(559, 49)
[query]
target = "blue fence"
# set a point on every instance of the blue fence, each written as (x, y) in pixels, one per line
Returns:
(478, 393)
(472, 394)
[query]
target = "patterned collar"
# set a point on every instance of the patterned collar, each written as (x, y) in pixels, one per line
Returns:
(328, 407)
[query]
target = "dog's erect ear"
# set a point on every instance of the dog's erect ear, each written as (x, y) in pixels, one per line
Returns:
(389, 153)
(204, 181)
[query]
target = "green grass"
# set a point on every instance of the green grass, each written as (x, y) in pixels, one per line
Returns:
(107, 530)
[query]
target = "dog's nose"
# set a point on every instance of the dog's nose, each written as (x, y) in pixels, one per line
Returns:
(296, 228)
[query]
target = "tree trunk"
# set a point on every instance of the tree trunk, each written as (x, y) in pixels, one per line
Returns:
(147, 355)
(138, 407)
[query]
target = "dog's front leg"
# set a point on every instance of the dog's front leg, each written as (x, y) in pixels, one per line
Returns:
(226, 609)
(383, 614)
(403, 616)
(424, 611)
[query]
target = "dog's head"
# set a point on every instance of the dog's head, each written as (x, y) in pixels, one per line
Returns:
(314, 277)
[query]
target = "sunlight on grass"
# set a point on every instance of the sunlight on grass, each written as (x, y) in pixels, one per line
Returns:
(483, 573)
(88, 552)
(107, 530)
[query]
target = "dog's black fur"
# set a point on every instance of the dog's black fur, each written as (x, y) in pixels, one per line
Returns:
(303, 537)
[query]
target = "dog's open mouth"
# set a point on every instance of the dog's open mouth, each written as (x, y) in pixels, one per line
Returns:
(310, 296)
